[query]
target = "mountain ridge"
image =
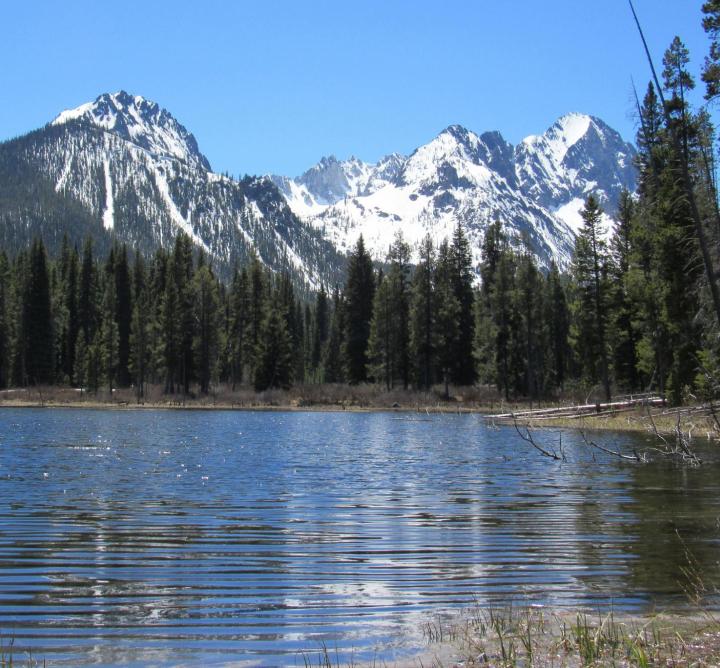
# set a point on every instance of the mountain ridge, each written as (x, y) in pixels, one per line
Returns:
(122, 167)
(138, 176)
(536, 188)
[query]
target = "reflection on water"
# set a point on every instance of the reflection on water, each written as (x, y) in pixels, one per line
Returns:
(215, 537)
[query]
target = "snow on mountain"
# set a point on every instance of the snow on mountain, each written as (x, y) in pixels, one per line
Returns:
(122, 167)
(536, 188)
(130, 171)
(140, 121)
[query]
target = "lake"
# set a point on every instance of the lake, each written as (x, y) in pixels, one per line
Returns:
(215, 537)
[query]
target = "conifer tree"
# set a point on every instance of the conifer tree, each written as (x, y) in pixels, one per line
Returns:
(170, 339)
(447, 315)
(590, 275)
(463, 369)
(257, 309)
(320, 329)
(108, 339)
(87, 295)
(183, 271)
(494, 245)
(239, 312)
(380, 352)
(530, 334)
(273, 360)
(206, 343)
(16, 322)
(423, 305)
(70, 274)
(38, 321)
(399, 278)
(123, 313)
(558, 319)
(389, 340)
(141, 322)
(622, 326)
(333, 370)
(359, 295)
(81, 362)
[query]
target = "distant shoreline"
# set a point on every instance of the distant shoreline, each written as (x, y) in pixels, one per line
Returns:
(362, 399)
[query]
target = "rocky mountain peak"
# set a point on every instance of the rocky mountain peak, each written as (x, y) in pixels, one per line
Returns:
(140, 121)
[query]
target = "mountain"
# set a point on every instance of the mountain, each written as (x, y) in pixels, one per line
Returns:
(123, 168)
(536, 188)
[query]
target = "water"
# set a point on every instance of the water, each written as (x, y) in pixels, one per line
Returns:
(168, 537)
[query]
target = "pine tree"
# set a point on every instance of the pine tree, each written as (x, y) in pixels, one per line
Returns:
(558, 319)
(389, 340)
(182, 272)
(87, 295)
(359, 295)
(333, 370)
(123, 314)
(529, 305)
(239, 312)
(447, 315)
(320, 330)
(81, 362)
(399, 277)
(380, 352)
(494, 245)
(71, 270)
(463, 369)
(590, 275)
(140, 348)
(257, 309)
(38, 321)
(16, 321)
(622, 327)
(169, 336)
(423, 317)
(108, 340)
(273, 360)
(206, 343)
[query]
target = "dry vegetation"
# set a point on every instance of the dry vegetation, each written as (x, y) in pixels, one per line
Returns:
(534, 636)
(322, 397)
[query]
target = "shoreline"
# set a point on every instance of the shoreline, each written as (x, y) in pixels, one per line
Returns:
(368, 400)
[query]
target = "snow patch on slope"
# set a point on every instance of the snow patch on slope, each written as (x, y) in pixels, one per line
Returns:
(109, 212)
(177, 217)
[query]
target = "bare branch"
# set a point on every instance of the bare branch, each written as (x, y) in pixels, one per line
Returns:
(635, 457)
(528, 437)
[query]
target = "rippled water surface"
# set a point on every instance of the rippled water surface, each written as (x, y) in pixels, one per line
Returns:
(169, 537)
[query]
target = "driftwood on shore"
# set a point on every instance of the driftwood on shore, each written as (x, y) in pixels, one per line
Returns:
(675, 443)
(577, 411)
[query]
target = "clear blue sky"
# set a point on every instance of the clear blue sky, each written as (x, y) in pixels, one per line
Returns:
(271, 86)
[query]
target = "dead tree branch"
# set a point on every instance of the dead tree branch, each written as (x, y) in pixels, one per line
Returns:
(528, 438)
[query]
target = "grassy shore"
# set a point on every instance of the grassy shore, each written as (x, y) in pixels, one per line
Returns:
(536, 636)
(305, 397)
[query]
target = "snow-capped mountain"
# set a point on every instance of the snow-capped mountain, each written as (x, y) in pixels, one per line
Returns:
(122, 167)
(536, 188)
(141, 122)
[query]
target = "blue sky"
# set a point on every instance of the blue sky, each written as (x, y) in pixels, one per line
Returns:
(272, 86)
